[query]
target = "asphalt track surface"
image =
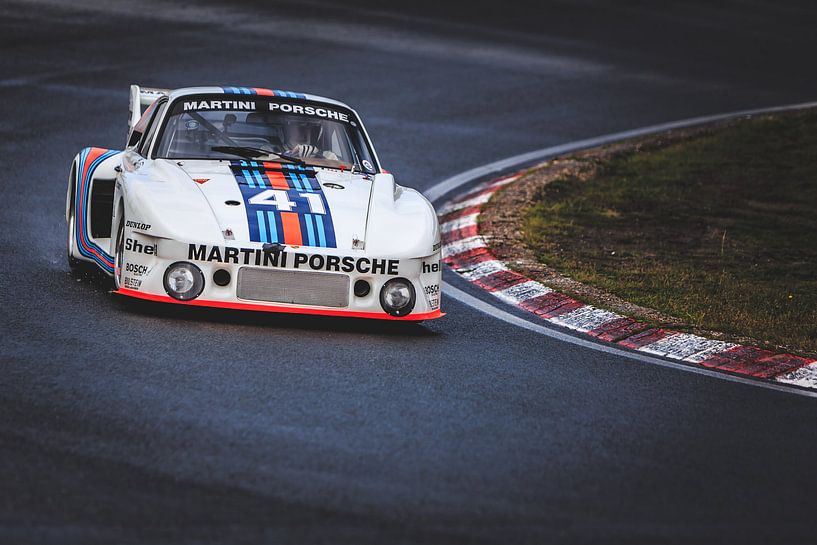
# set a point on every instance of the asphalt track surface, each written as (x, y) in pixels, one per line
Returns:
(147, 424)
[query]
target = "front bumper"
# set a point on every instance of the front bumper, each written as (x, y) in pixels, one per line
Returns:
(146, 258)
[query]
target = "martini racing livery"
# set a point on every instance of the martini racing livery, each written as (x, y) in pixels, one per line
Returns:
(258, 199)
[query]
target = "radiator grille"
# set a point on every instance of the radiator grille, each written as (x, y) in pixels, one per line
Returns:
(295, 287)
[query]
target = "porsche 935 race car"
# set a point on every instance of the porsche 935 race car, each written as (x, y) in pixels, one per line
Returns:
(258, 199)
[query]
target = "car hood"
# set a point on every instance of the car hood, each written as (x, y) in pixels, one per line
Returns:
(255, 201)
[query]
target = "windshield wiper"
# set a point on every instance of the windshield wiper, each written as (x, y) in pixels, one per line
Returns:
(249, 152)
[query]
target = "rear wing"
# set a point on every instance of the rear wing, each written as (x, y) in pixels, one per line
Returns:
(140, 99)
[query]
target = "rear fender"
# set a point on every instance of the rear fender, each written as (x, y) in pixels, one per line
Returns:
(90, 195)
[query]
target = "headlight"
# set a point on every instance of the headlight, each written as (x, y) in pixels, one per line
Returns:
(397, 297)
(183, 281)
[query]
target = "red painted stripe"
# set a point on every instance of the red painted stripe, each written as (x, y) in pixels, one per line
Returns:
(755, 362)
(276, 308)
(469, 257)
(551, 304)
(292, 228)
(277, 179)
(618, 329)
(500, 280)
(263, 92)
(459, 213)
(644, 338)
(461, 233)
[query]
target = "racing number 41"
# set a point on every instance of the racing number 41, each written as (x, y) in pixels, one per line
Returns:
(280, 200)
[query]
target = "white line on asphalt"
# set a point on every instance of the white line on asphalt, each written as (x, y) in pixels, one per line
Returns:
(487, 308)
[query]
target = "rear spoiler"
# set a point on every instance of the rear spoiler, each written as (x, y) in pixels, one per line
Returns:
(140, 99)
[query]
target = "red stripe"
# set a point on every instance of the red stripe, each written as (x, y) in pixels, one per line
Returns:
(459, 213)
(263, 92)
(461, 233)
(500, 280)
(617, 329)
(277, 179)
(551, 304)
(469, 257)
(644, 338)
(292, 228)
(275, 308)
(755, 362)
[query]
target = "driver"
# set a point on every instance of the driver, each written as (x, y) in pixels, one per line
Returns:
(299, 137)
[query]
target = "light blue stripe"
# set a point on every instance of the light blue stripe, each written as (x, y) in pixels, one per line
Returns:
(262, 226)
(310, 232)
(321, 231)
(259, 179)
(295, 181)
(248, 178)
(273, 227)
(306, 184)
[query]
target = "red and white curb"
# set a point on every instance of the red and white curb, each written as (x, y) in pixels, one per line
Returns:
(465, 251)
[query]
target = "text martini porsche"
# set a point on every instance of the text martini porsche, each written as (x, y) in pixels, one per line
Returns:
(255, 199)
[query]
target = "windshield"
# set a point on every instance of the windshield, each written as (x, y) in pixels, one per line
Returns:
(213, 127)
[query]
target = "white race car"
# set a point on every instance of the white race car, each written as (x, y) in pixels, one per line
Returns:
(256, 199)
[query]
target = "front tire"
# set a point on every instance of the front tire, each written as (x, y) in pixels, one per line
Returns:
(73, 262)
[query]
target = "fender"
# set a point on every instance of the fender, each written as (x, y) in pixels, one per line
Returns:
(88, 164)
(401, 221)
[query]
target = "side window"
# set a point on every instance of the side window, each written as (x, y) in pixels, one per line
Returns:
(153, 124)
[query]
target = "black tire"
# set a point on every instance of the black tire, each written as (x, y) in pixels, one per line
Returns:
(76, 265)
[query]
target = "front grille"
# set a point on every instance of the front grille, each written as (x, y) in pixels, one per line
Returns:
(295, 287)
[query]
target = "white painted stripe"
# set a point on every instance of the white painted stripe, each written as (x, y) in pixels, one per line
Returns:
(482, 269)
(585, 318)
(715, 347)
(462, 245)
(474, 201)
(684, 346)
(805, 376)
(459, 223)
(522, 292)
(504, 181)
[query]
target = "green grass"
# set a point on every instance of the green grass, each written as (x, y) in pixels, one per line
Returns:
(719, 230)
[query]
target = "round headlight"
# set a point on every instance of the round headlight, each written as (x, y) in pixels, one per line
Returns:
(397, 297)
(183, 281)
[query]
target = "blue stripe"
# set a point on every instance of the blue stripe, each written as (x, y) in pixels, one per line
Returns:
(259, 179)
(273, 227)
(262, 227)
(80, 208)
(310, 232)
(321, 232)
